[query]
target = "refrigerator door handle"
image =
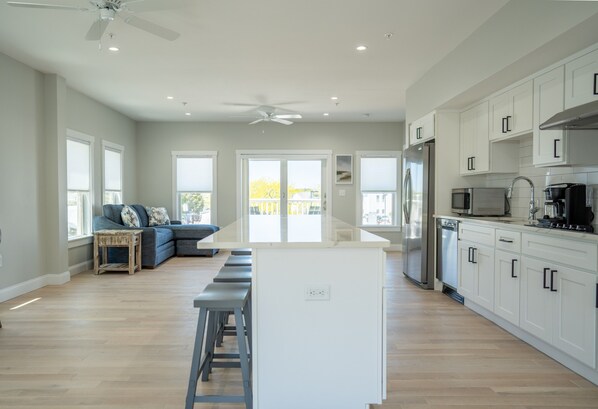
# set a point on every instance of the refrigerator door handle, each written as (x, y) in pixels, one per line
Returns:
(407, 193)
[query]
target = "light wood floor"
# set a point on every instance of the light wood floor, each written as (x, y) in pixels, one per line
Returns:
(120, 341)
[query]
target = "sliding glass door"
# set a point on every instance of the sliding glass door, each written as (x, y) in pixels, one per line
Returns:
(284, 184)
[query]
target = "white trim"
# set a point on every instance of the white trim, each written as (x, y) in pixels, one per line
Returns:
(33, 284)
(81, 267)
(83, 137)
(286, 154)
(214, 193)
(80, 241)
(107, 145)
(358, 199)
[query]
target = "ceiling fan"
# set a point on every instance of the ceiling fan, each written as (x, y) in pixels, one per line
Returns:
(268, 114)
(107, 10)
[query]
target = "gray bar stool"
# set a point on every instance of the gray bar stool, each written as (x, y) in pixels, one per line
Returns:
(234, 274)
(241, 252)
(215, 299)
(238, 261)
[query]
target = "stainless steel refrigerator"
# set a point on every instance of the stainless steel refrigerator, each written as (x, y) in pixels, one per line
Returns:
(418, 209)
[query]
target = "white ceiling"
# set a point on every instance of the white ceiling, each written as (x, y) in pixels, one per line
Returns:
(262, 52)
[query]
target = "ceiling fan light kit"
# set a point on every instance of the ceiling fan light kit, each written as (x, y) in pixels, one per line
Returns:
(107, 10)
(269, 115)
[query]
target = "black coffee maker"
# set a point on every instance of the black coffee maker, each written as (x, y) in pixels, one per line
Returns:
(566, 207)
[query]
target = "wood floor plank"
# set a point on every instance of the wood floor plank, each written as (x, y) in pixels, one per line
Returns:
(118, 341)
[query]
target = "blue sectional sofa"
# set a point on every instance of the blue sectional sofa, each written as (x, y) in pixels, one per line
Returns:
(158, 243)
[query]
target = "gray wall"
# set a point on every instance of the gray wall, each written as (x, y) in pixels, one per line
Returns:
(86, 115)
(21, 172)
(520, 39)
(155, 141)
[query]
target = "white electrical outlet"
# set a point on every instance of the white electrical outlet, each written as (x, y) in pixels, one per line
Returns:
(317, 293)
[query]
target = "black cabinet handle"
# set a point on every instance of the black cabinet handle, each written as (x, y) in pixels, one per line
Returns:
(473, 257)
(544, 280)
(505, 240)
(513, 268)
(552, 280)
(508, 128)
(596, 83)
(596, 295)
(469, 163)
(554, 148)
(473, 163)
(504, 126)
(469, 254)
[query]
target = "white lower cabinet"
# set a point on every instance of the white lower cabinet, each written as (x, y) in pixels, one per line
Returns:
(558, 305)
(507, 276)
(476, 278)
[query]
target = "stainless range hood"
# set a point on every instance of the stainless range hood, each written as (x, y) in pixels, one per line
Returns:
(581, 117)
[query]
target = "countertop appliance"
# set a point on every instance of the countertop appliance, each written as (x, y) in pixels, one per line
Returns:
(569, 208)
(418, 209)
(478, 201)
(447, 232)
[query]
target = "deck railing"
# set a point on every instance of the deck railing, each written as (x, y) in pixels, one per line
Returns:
(295, 206)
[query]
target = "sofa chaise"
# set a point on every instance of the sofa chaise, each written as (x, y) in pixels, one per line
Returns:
(158, 243)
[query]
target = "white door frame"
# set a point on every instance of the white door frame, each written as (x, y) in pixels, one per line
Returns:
(284, 155)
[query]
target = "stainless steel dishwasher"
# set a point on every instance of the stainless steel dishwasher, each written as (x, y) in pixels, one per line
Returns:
(447, 253)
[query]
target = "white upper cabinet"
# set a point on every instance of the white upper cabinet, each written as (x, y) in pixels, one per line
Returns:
(474, 144)
(511, 112)
(423, 129)
(549, 92)
(581, 80)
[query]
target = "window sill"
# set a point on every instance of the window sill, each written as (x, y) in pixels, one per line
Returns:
(389, 229)
(80, 241)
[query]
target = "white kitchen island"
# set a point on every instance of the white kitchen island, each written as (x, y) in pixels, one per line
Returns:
(319, 330)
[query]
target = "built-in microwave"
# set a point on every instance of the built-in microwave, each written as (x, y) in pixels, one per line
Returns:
(478, 201)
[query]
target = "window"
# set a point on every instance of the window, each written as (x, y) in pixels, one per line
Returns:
(79, 186)
(379, 189)
(195, 187)
(113, 160)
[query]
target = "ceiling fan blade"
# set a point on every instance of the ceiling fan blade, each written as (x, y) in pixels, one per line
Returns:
(256, 121)
(96, 31)
(288, 116)
(282, 121)
(152, 28)
(44, 6)
(135, 6)
(239, 104)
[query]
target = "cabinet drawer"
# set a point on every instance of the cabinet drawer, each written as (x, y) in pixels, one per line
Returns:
(508, 240)
(561, 250)
(477, 234)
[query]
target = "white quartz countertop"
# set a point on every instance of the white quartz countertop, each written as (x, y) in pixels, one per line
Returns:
(309, 231)
(522, 225)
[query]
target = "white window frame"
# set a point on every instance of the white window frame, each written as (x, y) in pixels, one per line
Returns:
(107, 145)
(81, 137)
(214, 193)
(358, 193)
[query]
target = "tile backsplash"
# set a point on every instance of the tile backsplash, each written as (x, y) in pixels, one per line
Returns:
(541, 177)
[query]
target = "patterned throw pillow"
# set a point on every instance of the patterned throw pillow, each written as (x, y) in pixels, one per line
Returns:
(130, 217)
(157, 216)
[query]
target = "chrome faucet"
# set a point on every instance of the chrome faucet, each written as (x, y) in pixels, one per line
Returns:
(532, 202)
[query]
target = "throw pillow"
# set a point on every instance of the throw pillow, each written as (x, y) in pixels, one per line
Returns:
(130, 217)
(157, 216)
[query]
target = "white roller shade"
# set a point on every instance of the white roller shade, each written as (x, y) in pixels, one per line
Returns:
(194, 174)
(77, 165)
(378, 174)
(112, 170)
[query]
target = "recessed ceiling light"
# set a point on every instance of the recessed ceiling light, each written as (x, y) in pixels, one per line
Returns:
(113, 49)
(169, 97)
(326, 114)
(361, 47)
(188, 113)
(334, 98)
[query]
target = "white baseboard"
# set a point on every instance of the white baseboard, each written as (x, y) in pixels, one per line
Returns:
(81, 267)
(33, 284)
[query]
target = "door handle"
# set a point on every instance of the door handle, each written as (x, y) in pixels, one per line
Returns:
(473, 163)
(596, 83)
(552, 280)
(473, 251)
(554, 148)
(406, 192)
(469, 163)
(504, 128)
(513, 268)
(508, 128)
(505, 240)
(469, 257)
(544, 280)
